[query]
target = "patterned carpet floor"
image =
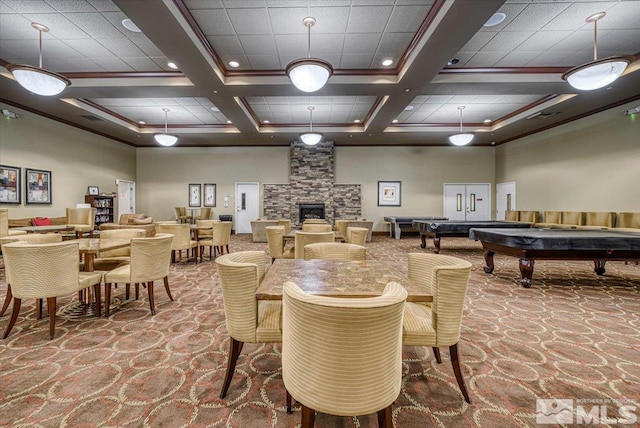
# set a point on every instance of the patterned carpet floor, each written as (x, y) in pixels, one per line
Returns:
(573, 335)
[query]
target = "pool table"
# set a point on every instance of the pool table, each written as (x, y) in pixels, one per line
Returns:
(556, 244)
(406, 223)
(452, 229)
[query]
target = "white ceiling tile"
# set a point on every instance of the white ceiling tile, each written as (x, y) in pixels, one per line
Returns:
(76, 64)
(356, 61)
(226, 45)
(203, 4)
(258, 45)
(322, 44)
(543, 40)
(242, 4)
(214, 22)
(331, 19)
(113, 64)
(395, 42)
(361, 43)
(573, 17)
(71, 5)
(147, 46)
(485, 59)
(90, 48)
(265, 62)
(516, 59)
(293, 44)
(59, 26)
(16, 27)
(511, 11)
(250, 21)
(115, 18)
(406, 19)
(142, 64)
(368, 19)
(477, 42)
(621, 16)
(122, 47)
(34, 6)
(104, 5)
(535, 16)
(289, 21)
(578, 40)
(505, 41)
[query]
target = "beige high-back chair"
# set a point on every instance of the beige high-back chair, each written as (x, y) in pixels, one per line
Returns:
(512, 215)
(356, 235)
(286, 223)
(529, 216)
(207, 233)
(205, 214)
(438, 324)
(220, 239)
(45, 271)
(629, 220)
(4, 225)
(150, 260)
(111, 259)
(600, 220)
(334, 251)
(181, 240)
(31, 238)
(83, 220)
(573, 218)
(315, 221)
(360, 341)
(304, 238)
(277, 248)
(248, 320)
(316, 227)
(181, 215)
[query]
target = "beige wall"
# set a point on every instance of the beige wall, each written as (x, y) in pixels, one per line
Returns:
(422, 171)
(164, 175)
(587, 165)
(76, 158)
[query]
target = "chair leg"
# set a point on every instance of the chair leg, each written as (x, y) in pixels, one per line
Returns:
(39, 309)
(51, 308)
(227, 248)
(96, 290)
(235, 347)
(455, 362)
(107, 298)
(7, 300)
(166, 287)
(137, 290)
(288, 396)
(127, 288)
(308, 417)
(436, 353)
(385, 419)
(14, 316)
(151, 301)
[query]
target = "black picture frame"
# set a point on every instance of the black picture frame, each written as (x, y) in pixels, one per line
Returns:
(389, 193)
(10, 181)
(93, 190)
(37, 186)
(194, 195)
(209, 195)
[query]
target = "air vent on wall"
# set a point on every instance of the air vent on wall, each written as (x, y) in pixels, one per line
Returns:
(541, 115)
(92, 118)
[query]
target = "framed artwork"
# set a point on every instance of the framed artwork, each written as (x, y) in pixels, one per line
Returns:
(194, 195)
(9, 184)
(389, 193)
(209, 195)
(38, 184)
(93, 190)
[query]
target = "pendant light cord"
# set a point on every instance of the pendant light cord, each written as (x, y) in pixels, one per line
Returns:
(311, 120)
(308, 40)
(40, 55)
(595, 40)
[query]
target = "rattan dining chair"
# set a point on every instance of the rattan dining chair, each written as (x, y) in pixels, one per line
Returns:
(438, 324)
(334, 251)
(248, 320)
(150, 261)
(31, 238)
(277, 247)
(342, 356)
(45, 271)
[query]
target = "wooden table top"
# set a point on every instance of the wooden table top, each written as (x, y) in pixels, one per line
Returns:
(336, 278)
(43, 229)
(292, 235)
(95, 245)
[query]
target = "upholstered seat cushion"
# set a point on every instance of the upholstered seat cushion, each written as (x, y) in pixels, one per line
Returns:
(417, 327)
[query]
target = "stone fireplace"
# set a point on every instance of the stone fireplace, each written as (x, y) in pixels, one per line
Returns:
(310, 211)
(312, 179)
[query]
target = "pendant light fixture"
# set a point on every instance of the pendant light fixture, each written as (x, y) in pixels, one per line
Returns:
(36, 79)
(311, 138)
(461, 138)
(165, 139)
(309, 74)
(599, 72)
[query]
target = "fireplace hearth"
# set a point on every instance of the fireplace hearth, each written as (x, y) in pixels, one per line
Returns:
(310, 211)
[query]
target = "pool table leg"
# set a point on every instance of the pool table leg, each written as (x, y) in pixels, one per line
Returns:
(436, 244)
(488, 259)
(423, 240)
(526, 272)
(598, 266)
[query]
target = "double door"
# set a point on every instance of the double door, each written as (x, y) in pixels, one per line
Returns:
(467, 202)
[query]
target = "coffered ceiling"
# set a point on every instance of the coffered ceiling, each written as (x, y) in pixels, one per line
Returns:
(507, 76)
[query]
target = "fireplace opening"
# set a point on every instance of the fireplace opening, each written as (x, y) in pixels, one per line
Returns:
(310, 211)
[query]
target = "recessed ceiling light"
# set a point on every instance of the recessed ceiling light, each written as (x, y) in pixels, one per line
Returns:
(215, 92)
(453, 61)
(407, 89)
(487, 121)
(129, 25)
(229, 122)
(172, 65)
(214, 108)
(409, 107)
(495, 19)
(234, 64)
(493, 143)
(394, 121)
(265, 121)
(387, 62)
(356, 121)
(142, 122)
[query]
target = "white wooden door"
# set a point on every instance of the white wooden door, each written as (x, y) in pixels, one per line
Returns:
(468, 201)
(505, 198)
(126, 198)
(247, 205)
